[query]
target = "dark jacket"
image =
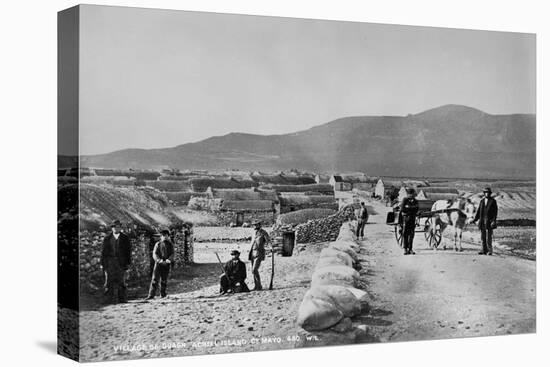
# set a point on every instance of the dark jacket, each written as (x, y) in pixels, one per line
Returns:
(235, 270)
(120, 249)
(487, 214)
(409, 209)
(257, 248)
(163, 250)
(363, 214)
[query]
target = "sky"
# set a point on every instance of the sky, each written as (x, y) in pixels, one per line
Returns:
(160, 78)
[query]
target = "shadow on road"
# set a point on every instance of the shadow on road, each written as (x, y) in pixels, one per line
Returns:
(190, 278)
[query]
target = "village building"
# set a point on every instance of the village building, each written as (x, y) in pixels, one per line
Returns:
(386, 188)
(293, 202)
(351, 181)
(311, 189)
(414, 184)
(322, 178)
(282, 178)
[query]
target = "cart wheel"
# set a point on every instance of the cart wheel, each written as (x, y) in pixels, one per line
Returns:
(399, 235)
(427, 227)
(435, 238)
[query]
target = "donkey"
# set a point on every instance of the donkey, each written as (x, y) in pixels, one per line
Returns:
(463, 214)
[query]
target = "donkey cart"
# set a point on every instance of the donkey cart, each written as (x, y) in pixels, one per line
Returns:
(426, 222)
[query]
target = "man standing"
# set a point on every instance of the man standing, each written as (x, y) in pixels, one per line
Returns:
(234, 276)
(409, 209)
(163, 254)
(257, 253)
(116, 257)
(487, 217)
(362, 218)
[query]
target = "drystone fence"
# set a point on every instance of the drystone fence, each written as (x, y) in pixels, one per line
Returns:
(317, 230)
(335, 297)
(142, 242)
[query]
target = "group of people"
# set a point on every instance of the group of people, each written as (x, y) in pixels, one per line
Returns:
(486, 217)
(233, 278)
(116, 258)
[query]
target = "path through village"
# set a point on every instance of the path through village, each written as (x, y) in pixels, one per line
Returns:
(430, 295)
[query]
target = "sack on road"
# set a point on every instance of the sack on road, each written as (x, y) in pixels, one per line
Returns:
(339, 296)
(345, 247)
(330, 252)
(317, 314)
(335, 275)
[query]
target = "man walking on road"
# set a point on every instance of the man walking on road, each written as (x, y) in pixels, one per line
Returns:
(257, 253)
(487, 217)
(362, 218)
(116, 257)
(409, 209)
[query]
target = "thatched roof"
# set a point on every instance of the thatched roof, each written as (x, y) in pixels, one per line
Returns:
(247, 205)
(289, 200)
(354, 178)
(283, 179)
(322, 188)
(415, 183)
(391, 183)
(166, 185)
(100, 205)
(244, 194)
(202, 184)
(183, 197)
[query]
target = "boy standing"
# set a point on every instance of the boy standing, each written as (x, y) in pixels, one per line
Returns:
(163, 255)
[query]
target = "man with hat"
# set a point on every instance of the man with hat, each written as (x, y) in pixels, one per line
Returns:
(163, 255)
(116, 257)
(233, 278)
(257, 253)
(487, 216)
(362, 218)
(408, 211)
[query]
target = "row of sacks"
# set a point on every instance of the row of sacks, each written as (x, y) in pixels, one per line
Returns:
(334, 297)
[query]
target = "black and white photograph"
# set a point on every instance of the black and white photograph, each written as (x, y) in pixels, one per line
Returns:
(272, 183)
(235, 183)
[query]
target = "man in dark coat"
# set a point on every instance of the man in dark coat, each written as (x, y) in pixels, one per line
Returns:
(257, 253)
(233, 278)
(362, 218)
(116, 257)
(409, 209)
(487, 216)
(163, 255)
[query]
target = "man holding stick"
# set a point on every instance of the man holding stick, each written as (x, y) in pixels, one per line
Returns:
(257, 253)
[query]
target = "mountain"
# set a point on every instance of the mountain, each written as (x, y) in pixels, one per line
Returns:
(448, 141)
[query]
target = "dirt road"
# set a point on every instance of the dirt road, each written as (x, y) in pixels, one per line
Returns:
(444, 294)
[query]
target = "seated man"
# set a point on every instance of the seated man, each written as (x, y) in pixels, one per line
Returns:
(235, 274)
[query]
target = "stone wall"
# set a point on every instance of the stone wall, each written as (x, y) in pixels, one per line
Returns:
(91, 243)
(317, 230)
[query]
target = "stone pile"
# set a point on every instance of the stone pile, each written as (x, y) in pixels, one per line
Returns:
(318, 230)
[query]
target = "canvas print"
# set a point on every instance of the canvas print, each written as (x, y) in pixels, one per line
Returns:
(235, 183)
